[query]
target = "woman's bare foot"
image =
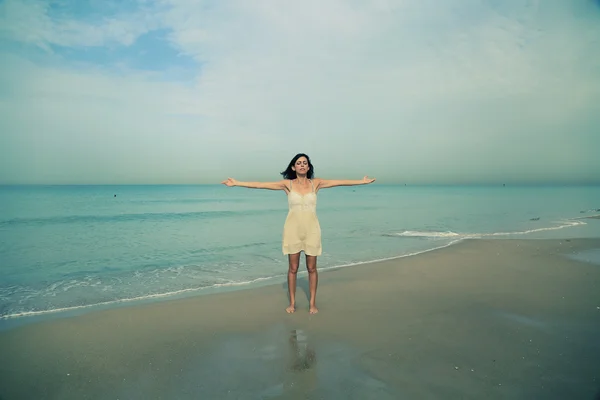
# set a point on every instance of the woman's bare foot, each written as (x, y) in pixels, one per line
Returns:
(313, 309)
(290, 309)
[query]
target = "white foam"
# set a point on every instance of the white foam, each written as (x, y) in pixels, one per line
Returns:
(432, 234)
(132, 299)
(589, 216)
(391, 258)
(565, 224)
(450, 234)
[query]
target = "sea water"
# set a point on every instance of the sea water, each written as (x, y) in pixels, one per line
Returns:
(78, 247)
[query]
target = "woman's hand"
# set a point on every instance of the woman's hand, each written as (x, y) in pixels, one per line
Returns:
(229, 182)
(368, 180)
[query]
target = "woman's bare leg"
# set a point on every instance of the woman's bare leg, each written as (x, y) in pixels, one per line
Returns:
(313, 280)
(294, 262)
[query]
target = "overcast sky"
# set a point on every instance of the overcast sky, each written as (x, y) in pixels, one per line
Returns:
(189, 91)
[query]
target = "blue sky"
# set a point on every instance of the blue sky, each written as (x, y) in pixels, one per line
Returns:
(416, 91)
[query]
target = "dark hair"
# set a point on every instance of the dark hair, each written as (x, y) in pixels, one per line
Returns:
(291, 174)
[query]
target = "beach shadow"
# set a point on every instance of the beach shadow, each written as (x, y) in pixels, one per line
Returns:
(302, 285)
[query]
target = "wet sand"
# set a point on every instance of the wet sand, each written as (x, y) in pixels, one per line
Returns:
(493, 319)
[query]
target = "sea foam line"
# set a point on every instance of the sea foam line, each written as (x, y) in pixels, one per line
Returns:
(450, 234)
(132, 299)
(393, 257)
(567, 224)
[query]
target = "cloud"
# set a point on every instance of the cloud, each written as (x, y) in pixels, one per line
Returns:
(38, 23)
(404, 90)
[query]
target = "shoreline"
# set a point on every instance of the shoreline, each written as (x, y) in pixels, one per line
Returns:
(10, 321)
(483, 318)
(33, 317)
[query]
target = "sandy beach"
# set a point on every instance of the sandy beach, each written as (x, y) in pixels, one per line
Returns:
(482, 319)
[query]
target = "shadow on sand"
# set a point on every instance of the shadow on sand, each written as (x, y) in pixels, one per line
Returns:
(302, 285)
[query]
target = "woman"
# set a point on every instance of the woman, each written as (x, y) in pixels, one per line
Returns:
(301, 232)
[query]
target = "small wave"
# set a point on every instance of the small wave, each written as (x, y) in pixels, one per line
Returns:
(565, 224)
(220, 249)
(186, 201)
(134, 299)
(590, 210)
(455, 235)
(75, 219)
(431, 234)
(595, 216)
(415, 253)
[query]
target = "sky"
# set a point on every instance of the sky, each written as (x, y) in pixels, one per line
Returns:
(193, 91)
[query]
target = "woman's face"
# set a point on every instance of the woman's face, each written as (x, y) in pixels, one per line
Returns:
(301, 166)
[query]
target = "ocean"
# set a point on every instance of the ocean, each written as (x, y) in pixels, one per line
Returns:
(78, 248)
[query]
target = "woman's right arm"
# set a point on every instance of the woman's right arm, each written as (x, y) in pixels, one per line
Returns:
(280, 185)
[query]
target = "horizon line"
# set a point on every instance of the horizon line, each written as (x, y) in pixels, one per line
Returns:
(530, 183)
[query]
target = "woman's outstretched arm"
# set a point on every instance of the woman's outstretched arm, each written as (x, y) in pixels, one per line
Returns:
(328, 183)
(279, 185)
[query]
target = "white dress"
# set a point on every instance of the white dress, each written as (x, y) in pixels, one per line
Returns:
(301, 231)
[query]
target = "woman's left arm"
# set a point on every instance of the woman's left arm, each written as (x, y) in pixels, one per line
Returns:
(329, 183)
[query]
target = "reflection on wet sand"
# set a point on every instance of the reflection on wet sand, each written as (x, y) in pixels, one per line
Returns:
(303, 356)
(299, 372)
(301, 375)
